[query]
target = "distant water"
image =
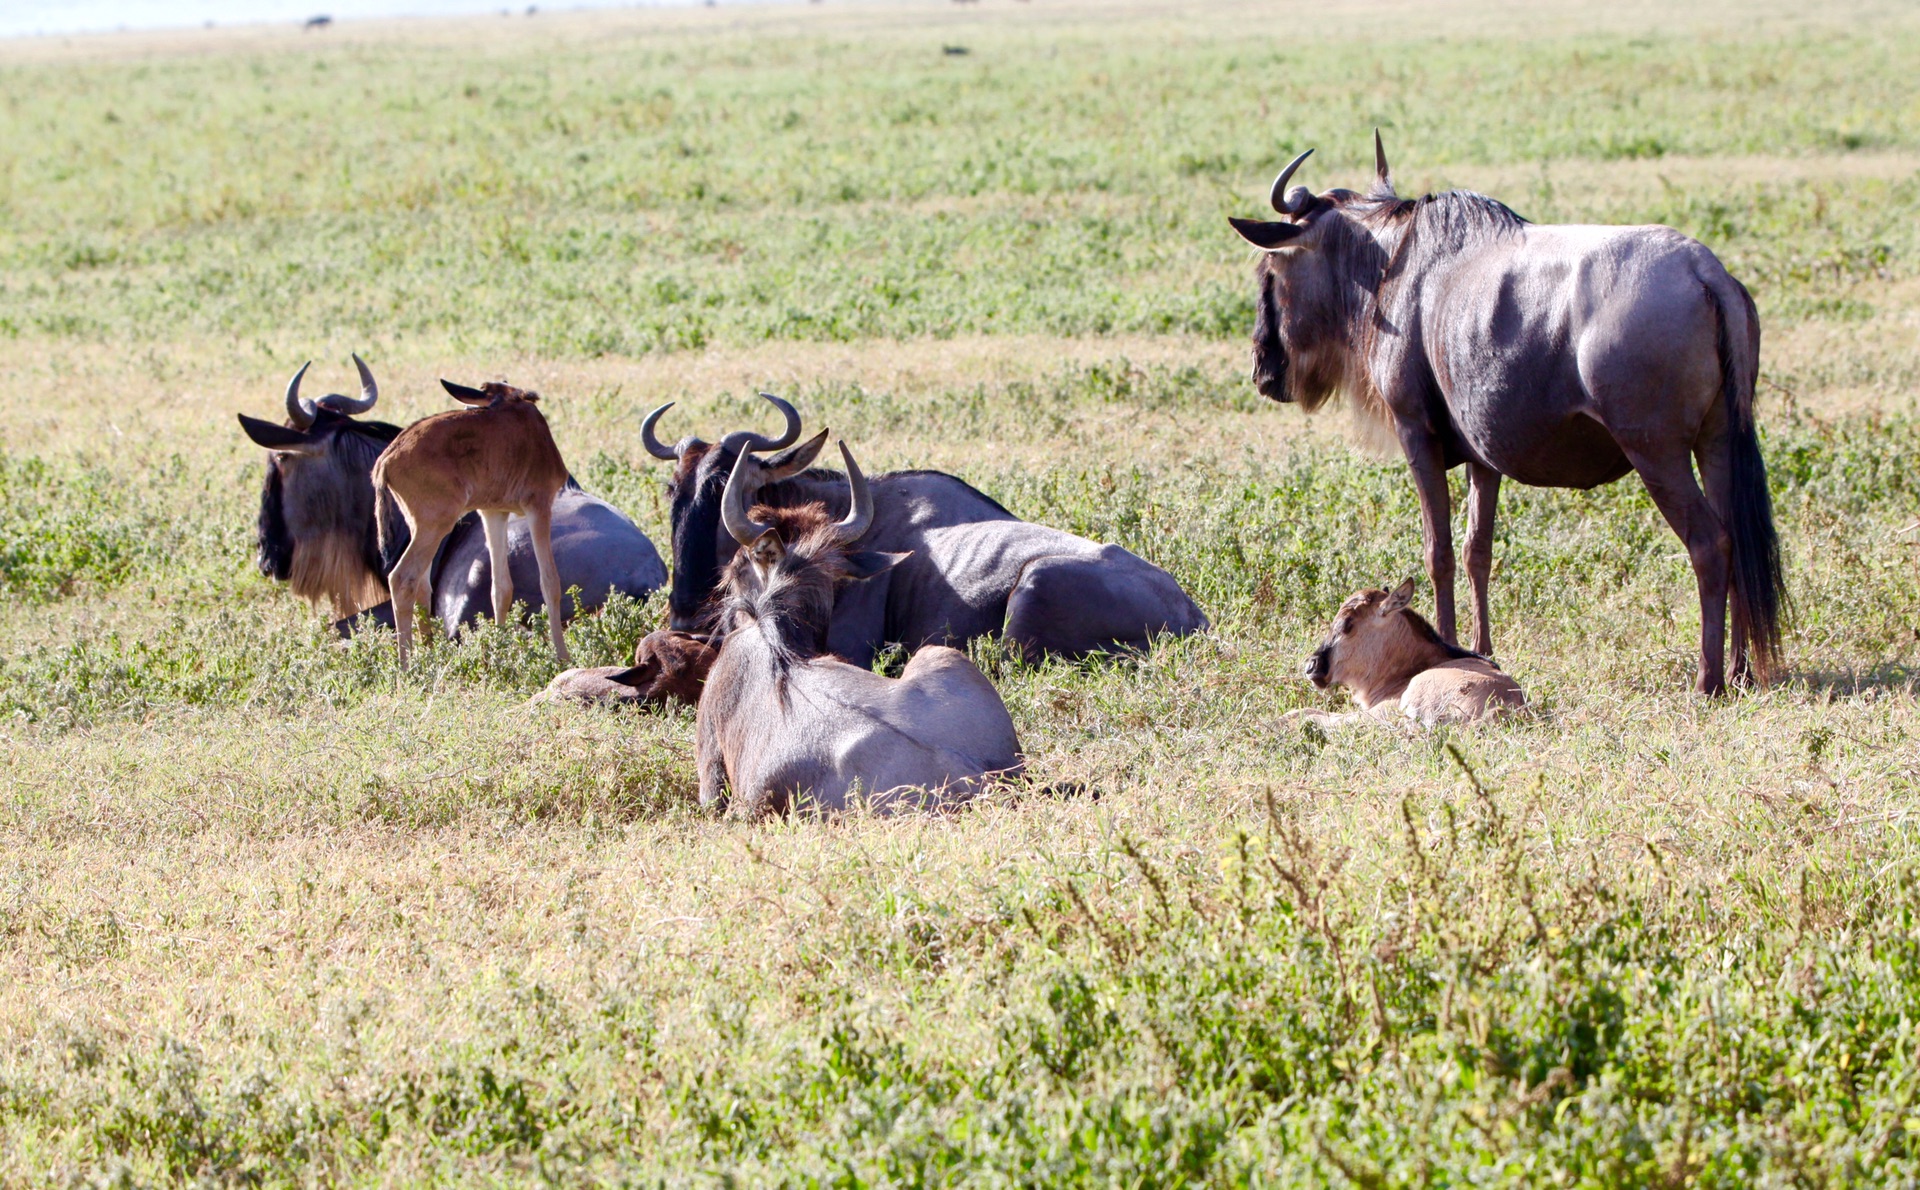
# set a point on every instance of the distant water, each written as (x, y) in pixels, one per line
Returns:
(28, 17)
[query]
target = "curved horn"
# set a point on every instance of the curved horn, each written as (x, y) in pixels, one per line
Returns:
(651, 441)
(792, 434)
(733, 502)
(369, 393)
(300, 413)
(860, 514)
(1381, 175)
(1279, 195)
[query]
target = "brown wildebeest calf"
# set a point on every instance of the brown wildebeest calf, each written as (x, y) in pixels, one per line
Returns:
(667, 665)
(1392, 659)
(496, 457)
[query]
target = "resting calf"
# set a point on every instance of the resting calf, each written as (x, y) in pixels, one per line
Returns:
(667, 666)
(1397, 666)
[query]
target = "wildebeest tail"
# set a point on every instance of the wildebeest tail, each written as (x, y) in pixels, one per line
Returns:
(391, 527)
(1759, 584)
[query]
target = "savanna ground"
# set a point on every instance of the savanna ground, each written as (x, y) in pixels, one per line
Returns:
(271, 911)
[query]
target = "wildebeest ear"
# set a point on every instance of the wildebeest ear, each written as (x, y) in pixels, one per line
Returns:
(278, 437)
(1398, 601)
(640, 676)
(794, 459)
(470, 396)
(868, 563)
(767, 549)
(1265, 235)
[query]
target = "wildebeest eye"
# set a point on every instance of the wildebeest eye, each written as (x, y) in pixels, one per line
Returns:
(1344, 626)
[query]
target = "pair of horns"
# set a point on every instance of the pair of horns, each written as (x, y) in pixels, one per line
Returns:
(1297, 202)
(741, 486)
(301, 412)
(759, 442)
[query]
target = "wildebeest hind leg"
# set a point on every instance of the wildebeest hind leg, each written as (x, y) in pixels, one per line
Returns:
(411, 580)
(1669, 480)
(540, 521)
(1483, 496)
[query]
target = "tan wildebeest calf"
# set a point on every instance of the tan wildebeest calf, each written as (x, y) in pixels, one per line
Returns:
(496, 457)
(1397, 665)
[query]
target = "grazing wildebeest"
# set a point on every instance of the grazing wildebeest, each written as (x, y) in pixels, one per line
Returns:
(496, 457)
(781, 719)
(1561, 356)
(317, 530)
(668, 666)
(973, 569)
(1393, 660)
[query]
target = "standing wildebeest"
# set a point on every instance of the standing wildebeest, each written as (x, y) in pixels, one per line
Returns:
(1393, 660)
(1562, 356)
(782, 719)
(496, 457)
(973, 568)
(317, 530)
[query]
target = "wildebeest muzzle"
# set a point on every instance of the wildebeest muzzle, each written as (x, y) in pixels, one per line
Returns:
(1319, 666)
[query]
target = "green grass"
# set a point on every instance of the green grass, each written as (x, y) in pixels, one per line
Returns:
(637, 194)
(274, 912)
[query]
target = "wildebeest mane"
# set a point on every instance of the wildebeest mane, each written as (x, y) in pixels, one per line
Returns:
(1438, 225)
(795, 603)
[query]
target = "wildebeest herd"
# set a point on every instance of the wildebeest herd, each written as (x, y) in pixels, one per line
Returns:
(1560, 356)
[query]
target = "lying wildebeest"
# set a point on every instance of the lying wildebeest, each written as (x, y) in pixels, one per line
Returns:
(668, 666)
(972, 569)
(1394, 661)
(317, 531)
(496, 457)
(781, 719)
(1559, 356)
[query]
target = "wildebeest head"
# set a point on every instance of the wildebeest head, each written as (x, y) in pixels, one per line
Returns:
(1320, 266)
(792, 561)
(701, 545)
(1377, 639)
(669, 665)
(488, 394)
(317, 530)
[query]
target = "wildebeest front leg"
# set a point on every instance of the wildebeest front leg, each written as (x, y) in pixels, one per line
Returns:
(1429, 469)
(495, 523)
(1483, 495)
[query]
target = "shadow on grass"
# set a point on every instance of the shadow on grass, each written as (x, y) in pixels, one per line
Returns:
(1890, 676)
